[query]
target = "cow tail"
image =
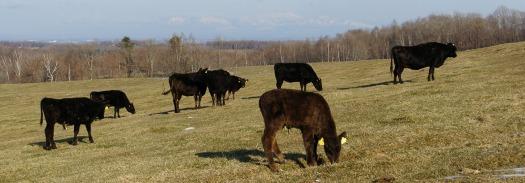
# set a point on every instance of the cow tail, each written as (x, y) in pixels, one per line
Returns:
(41, 114)
(166, 92)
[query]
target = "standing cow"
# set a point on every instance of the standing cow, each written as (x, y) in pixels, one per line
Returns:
(306, 111)
(71, 111)
(115, 98)
(296, 72)
(236, 83)
(218, 83)
(189, 84)
(431, 55)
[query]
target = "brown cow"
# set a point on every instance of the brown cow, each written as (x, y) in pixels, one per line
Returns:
(306, 111)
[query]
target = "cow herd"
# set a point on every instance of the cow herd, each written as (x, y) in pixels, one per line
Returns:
(307, 111)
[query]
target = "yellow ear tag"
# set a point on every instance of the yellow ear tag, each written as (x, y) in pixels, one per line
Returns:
(106, 108)
(343, 140)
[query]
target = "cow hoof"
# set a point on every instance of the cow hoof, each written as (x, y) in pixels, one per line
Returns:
(320, 161)
(47, 148)
(91, 141)
(53, 146)
(274, 168)
(280, 158)
(74, 143)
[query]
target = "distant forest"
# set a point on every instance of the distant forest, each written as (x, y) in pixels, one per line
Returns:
(47, 62)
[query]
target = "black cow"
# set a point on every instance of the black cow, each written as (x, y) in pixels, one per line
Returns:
(306, 111)
(70, 111)
(431, 55)
(189, 84)
(218, 83)
(115, 98)
(296, 72)
(236, 83)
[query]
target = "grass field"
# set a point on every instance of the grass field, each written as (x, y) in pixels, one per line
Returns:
(470, 121)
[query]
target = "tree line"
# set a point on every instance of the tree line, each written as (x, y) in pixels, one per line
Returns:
(44, 62)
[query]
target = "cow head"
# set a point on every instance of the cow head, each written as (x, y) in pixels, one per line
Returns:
(452, 50)
(201, 70)
(318, 84)
(242, 82)
(130, 108)
(332, 147)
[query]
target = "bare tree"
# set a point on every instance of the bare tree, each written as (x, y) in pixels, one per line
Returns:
(6, 63)
(50, 67)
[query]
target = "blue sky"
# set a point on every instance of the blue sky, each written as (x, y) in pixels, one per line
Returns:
(209, 19)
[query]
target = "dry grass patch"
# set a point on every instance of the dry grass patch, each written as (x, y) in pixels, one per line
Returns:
(471, 118)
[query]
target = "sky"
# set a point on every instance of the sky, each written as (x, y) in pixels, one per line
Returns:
(80, 20)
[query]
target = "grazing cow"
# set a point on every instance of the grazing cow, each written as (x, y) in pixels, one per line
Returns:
(71, 111)
(297, 72)
(306, 111)
(115, 98)
(218, 83)
(189, 84)
(431, 55)
(236, 83)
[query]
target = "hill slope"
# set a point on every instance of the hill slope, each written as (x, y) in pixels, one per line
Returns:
(471, 117)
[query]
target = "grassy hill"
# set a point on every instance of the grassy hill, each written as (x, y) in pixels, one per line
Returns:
(471, 118)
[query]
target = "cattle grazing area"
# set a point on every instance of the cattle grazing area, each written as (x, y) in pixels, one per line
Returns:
(113, 98)
(472, 117)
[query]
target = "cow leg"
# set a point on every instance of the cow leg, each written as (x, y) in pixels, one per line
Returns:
(200, 98)
(118, 111)
(433, 69)
(49, 132)
(218, 99)
(267, 140)
(223, 94)
(195, 97)
(277, 152)
(212, 99)
(75, 134)
(233, 94)
(229, 92)
(399, 74)
(308, 140)
(88, 129)
(177, 103)
(430, 72)
(115, 112)
(279, 84)
(395, 75)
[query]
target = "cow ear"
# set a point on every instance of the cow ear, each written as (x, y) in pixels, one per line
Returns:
(343, 138)
(342, 135)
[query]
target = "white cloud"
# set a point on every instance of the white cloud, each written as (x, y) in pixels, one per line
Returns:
(274, 19)
(270, 21)
(212, 20)
(177, 20)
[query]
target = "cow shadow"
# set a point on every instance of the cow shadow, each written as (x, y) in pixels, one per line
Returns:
(252, 97)
(182, 109)
(247, 156)
(372, 85)
(68, 140)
